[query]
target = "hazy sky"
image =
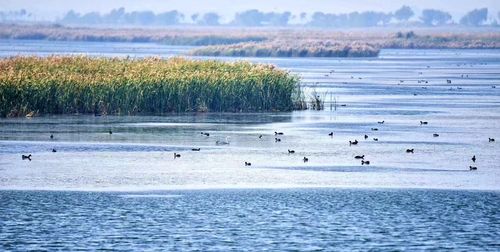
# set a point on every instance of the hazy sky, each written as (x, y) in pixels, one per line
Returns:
(56, 8)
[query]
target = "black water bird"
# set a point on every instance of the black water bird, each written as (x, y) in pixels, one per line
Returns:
(381, 122)
(278, 133)
(260, 136)
(473, 158)
(277, 140)
(177, 155)
(472, 168)
(196, 149)
(305, 159)
(363, 162)
(54, 150)
(360, 157)
(51, 136)
(375, 139)
(491, 139)
(24, 157)
(353, 142)
(374, 129)
(291, 151)
(410, 150)
(248, 164)
(423, 123)
(448, 81)
(205, 133)
(366, 136)
(435, 135)
(110, 132)
(330, 134)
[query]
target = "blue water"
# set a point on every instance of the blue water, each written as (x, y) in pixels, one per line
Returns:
(249, 220)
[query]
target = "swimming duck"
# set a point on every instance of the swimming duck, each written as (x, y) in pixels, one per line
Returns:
(222, 142)
(381, 122)
(473, 158)
(110, 132)
(448, 81)
(410, 150)
(177, 155)
(423, 122)
(260, 136)
(375, 139)
(330, 134)
(196, 149)
(435, 135)
(360, 157)
(51, 136)
(54, 150)
(26, 157)
(365, 162)
(205, 133)
(291, 151)
(472, 168)
(305, 159)
(277, 140)
(278, 133)
(248, 164)
(374, 129)
(366, 136)
(491, 139)
(353, 142)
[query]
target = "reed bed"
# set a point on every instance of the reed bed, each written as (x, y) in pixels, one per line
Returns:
(290, 49)
(79, 84)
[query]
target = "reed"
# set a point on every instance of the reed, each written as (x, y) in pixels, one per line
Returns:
(79, 84)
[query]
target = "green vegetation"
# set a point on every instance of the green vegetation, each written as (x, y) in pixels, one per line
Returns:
(62, 85)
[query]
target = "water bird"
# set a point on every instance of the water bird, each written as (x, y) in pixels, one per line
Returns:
(343, 105)
(248, 164)
(291, 151)
(277, 140)
(423, 122)
(353, 142)
(366, 136)
(177, 155)
(435, 135)
(330, 134)
(110, 132)
(205, 133)
(473, 158)
(196, 149)
(24, 157)
(491, 139)
(375, 139)
(363, 162)
(51, 136)
(222, 142)
(493, 87)
(260, 136)
(305, 159)
(278, 133)
(360, 157)
(54, 150)
(410, 150)
(472, 168)
(448, 81)
(374, 129)
(381, 122)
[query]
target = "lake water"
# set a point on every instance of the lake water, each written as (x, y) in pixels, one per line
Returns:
(126, 190)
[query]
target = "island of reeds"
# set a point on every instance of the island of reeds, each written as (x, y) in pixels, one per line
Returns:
(85, 85)
(290, 49)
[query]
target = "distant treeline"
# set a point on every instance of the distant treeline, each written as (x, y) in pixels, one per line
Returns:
(255, 18)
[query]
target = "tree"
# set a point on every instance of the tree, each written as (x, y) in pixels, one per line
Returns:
(249, 18)
(431, 17)
(475, 17)
(194, 17)
(210, 18)
(404, 13)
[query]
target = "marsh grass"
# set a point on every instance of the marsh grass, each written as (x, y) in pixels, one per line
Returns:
(78, 84)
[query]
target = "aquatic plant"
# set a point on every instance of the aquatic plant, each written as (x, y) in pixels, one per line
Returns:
(79, 84)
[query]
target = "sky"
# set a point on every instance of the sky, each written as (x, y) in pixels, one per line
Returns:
(50, 9)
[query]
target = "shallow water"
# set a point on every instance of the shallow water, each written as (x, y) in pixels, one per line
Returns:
(126, 191)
